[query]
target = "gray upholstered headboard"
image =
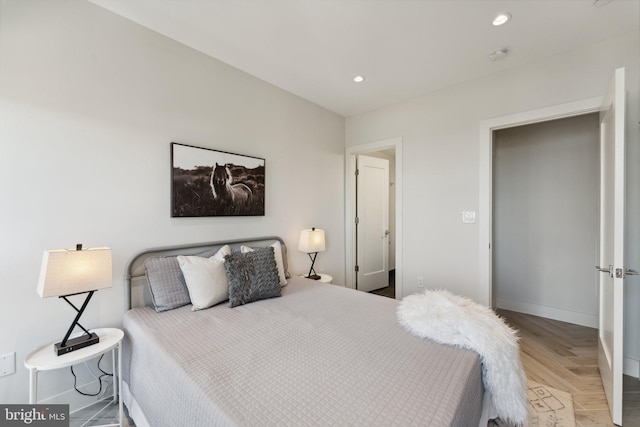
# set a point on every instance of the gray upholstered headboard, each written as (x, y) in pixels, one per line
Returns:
(137, 292)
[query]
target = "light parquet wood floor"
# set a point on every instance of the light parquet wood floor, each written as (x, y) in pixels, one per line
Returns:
(564, 356)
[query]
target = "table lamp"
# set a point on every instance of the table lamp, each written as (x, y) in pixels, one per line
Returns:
(67, 272)
(312, 242)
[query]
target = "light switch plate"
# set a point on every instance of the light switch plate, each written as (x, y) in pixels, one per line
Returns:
(7, 364)
(469, 217)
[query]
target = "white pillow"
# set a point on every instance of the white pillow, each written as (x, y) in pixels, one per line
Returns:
(206, 278)
(277, 253)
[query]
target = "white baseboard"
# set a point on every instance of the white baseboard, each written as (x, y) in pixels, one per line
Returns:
(631, 367)
(563, 315)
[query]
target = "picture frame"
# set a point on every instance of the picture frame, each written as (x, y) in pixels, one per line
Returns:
(207, 182)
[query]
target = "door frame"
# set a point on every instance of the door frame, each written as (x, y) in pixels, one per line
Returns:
(485, 179)
(350, 207)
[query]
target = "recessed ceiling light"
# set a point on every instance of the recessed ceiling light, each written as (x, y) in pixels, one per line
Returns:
(501, 19)
(497, 54)
(358, 79)
(600, 3)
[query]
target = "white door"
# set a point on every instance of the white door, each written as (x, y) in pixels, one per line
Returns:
(611, 258)
(372, 224)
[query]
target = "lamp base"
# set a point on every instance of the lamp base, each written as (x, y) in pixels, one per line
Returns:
(313, 277)
(77, 343)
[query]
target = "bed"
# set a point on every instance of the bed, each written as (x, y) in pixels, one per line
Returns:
(318, 355)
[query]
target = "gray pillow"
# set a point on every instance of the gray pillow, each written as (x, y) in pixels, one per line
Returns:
(252, 276)
(166, 283)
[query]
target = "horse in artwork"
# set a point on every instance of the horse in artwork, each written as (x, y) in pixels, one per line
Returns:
(225, 193)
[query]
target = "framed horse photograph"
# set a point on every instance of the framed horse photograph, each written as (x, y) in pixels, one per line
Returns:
(207, 182)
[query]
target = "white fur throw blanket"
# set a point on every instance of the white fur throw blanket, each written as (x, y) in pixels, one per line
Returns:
(449, 319)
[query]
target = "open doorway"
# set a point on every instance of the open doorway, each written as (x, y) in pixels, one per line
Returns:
(485, 179)
(389, 283)
(375, 227)
(545, 219)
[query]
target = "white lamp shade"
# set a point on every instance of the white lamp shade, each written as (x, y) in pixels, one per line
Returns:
(312, 241)
(70, 271)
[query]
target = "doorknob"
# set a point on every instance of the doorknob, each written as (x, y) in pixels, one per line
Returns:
(606, 270)
(627, 272)
(619, 272)
(387, 232)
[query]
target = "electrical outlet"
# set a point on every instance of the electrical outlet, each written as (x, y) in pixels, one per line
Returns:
(7, 364)
(420, 282)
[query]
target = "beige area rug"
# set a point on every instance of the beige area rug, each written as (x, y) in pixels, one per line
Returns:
(548, 407)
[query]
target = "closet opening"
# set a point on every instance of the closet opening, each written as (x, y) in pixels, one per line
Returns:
(546, 219)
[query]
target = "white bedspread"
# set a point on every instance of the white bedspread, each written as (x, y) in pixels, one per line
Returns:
(449, 319)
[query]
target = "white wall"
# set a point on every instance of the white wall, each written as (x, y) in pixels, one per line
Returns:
(440, 134)
(545, 219)
(89, 104)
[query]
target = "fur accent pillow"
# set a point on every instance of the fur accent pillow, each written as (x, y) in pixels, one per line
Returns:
(252, 276)
(278, 254)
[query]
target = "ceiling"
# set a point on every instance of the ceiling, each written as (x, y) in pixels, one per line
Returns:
(404, 48)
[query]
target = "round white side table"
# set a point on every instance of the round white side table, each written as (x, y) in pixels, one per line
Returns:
(324, 278)
(44, 358)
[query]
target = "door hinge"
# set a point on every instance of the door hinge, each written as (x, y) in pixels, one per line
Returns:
(357, 220)
(357, 268)
(357, 172)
